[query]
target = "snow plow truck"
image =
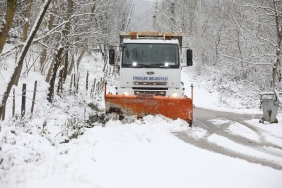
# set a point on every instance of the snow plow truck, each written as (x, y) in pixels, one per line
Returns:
(150, 77)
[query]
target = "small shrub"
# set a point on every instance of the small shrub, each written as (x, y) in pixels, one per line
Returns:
(74, 128)
(94, 107)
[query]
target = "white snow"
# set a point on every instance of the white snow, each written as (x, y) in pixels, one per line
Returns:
(269, 128)
(239, 129)
(272, 133)
(139, 154)
(231, 145)
(197, 132)
(274, 140)
(219, 122)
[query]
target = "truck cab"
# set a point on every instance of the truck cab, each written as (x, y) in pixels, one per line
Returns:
(150, 64)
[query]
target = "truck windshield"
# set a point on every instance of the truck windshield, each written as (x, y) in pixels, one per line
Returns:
(150, 55)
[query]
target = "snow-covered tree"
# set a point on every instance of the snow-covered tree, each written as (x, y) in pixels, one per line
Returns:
(7, 21)
(23, 53)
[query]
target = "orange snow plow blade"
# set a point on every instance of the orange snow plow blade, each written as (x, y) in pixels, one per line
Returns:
(144, 105)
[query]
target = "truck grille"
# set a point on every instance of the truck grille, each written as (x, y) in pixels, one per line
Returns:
(150, 83)
(156, 93)
(151, 88)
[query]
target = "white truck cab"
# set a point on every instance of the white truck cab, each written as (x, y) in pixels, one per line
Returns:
(150, 65)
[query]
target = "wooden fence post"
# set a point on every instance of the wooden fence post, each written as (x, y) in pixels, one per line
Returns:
(91, 92)
(106, 71)
(14, 103)
(60, 83)
(4, 108)
(4, 111)
(33, 98)
(77, 84)
(94, 85)
(101, 85)
(104, 68)
(71, 81)
(23, 99)
(74, 81)
(97, 88)
(87, 80)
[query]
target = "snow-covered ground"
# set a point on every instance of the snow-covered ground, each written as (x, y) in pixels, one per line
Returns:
(140, 153)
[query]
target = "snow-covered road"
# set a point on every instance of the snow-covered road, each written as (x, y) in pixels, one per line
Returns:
(236, 135)
(148, 154)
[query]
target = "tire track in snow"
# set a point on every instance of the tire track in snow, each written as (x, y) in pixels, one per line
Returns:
(202, 122)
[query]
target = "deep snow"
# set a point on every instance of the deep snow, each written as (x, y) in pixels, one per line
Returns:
(141, 153)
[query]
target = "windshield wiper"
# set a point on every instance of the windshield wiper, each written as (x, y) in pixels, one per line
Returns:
(163, 66)
(169, 66)
(142, 66)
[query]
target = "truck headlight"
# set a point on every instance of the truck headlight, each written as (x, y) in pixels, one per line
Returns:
(125, 93)
(174, 94)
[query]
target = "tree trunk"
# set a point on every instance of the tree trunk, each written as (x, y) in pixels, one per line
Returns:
(27, 16)
(77, 62)
(43, 56)
(7, 24)
(24, 51)
(50, 70)
(49, 25)
(72, 65)
(80, 57)
(66, 32)
(58, 59)
(276, 73)
(66, 65)
(24, 37)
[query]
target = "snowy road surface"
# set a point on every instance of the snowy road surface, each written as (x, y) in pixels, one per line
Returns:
(236, 135)
(218, 151)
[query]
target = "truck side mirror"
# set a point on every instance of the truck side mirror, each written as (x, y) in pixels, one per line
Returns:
(189, 57)
(111, 56)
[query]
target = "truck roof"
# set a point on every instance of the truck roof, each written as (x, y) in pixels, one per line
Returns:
(151, 37)
(156, 41)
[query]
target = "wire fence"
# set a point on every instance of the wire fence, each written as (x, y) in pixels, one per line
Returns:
(93, 88)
